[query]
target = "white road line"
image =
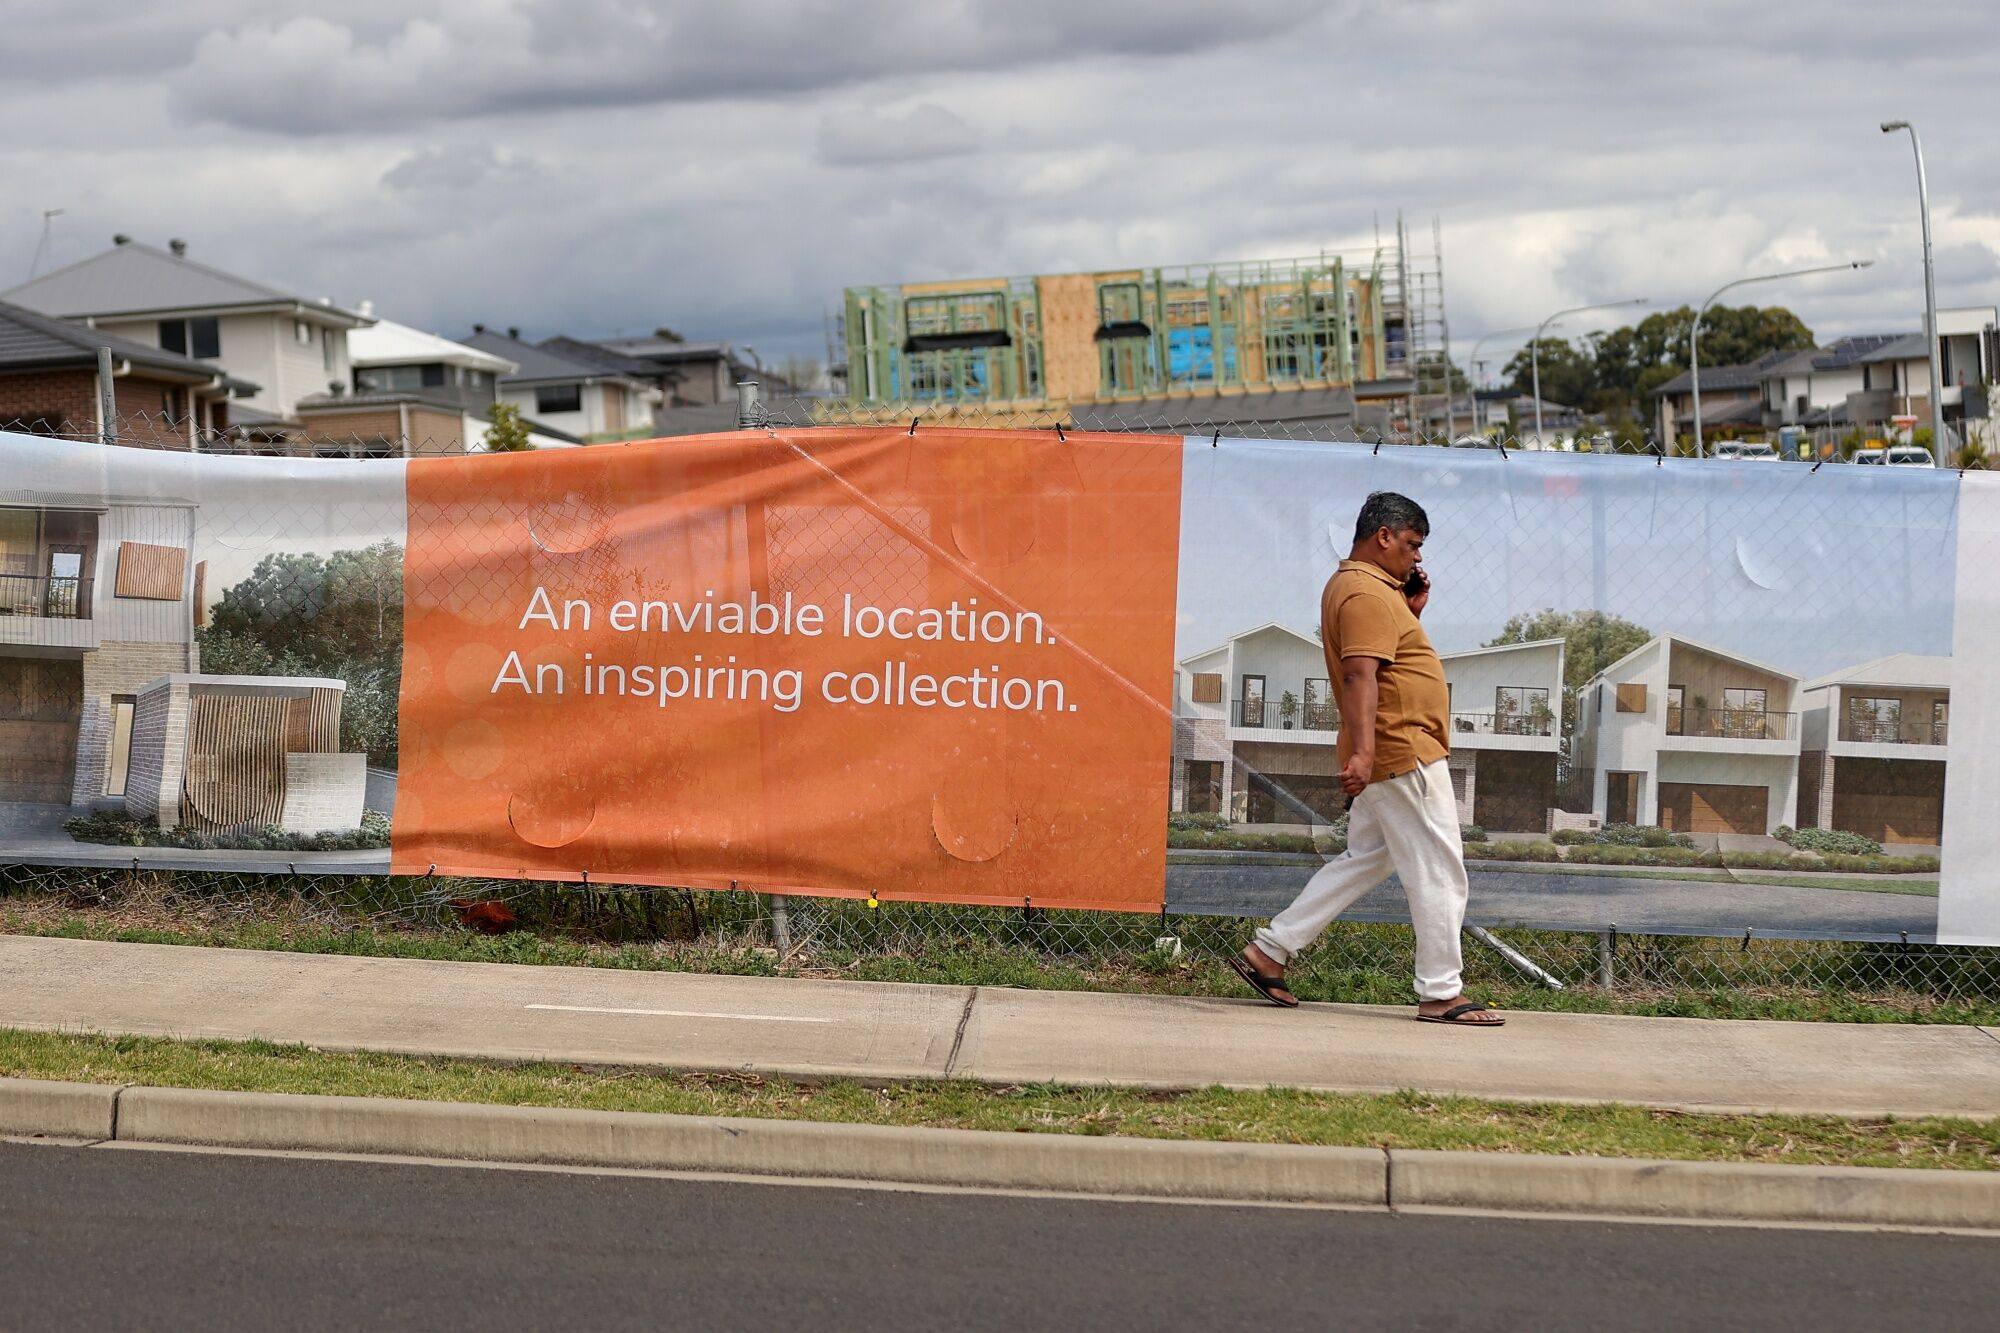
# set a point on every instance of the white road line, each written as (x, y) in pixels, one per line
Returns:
(677, 1013)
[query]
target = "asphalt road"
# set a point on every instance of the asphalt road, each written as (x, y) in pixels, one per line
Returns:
(94, 1238)
(1583, 902)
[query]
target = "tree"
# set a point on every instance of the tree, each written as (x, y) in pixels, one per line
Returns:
(506, 433)
(1569, 376)
(339, 616)
(1592, 640)
(1626, 364)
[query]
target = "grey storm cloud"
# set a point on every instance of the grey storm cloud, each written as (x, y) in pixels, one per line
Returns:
(601, 166)
(310, 72)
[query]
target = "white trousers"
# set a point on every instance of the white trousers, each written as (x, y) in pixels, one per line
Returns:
(1408, 825)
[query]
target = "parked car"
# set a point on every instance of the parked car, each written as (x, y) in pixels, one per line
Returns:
(1746, 451)
(1910, 455)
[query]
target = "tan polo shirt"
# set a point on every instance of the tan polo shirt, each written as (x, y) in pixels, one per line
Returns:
(1363, 613)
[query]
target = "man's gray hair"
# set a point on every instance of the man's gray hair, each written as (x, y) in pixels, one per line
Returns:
(1386, 509)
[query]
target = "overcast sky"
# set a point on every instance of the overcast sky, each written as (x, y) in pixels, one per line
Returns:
(603, 166)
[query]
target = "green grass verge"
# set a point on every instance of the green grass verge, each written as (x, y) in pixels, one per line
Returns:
(1402, 1120)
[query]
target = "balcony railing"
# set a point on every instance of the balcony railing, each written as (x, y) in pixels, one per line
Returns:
(1885, 732)
(1317, 718)
(1503, 724)
(1741, 724)
(34, 595)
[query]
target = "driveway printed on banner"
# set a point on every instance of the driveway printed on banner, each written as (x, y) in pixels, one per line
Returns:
(1578, 902)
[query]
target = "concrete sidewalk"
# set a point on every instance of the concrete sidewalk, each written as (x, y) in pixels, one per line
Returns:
(880, 1031)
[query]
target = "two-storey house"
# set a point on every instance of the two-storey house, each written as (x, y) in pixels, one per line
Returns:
(51, 383)
(1873, 756)
(286, 345)
(1691, 738)
(585, 398)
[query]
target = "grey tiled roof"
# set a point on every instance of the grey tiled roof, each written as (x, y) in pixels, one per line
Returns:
(538, 364)
(132, 278)
(597, 354)
(29, 340)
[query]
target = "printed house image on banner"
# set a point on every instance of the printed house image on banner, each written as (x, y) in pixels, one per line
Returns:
(1257, 715)
(1690, 738)
(99, 598)
(1874, 749)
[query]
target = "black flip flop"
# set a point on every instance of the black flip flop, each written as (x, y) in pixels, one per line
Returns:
(1454, 1016)
(1265, 986)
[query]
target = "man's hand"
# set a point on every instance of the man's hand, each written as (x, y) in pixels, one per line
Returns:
(1355, 773)
(1422, 597)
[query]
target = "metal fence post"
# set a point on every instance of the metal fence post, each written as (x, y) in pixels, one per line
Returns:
(1607, 954)
(750, 415)
(107, 399)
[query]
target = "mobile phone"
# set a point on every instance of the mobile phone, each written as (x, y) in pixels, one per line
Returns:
(1416, 583)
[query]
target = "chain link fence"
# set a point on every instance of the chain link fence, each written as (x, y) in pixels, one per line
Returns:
(1294, 828)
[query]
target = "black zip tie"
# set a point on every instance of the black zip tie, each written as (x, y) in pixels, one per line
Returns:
(293, 866)
(1817, 466)
(1217, 440)
(586, 879)
(432, 871)
(1906, 939)
(1378, 446)
(913, 424)
(1059, 433)
(1746, 939)
(1503, 451)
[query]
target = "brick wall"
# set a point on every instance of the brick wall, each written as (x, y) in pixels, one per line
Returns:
(159, 736)
(436, 432)
(152, 413)
(117, 668)
(65, 399)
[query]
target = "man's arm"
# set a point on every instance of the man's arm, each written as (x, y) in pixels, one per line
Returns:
(1360, 691)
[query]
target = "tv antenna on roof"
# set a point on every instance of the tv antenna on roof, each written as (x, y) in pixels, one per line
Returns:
(49, 215)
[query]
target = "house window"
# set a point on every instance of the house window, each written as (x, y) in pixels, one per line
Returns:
(1940, 719)
(329, 353)
(1744, 715)
(1520, 710)
(1250, 706)
(118, 764)
(170, 404)
(1676, 713)
(1875, 720)
(302, 333)
(559, 398)
(200, 337)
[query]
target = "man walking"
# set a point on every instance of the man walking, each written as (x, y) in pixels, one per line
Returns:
(1394, 736)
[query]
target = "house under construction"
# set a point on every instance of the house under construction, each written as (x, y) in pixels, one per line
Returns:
(1334, 338)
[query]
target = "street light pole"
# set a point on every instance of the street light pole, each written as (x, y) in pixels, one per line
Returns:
(1535, 349)
(1930, 288)
(1472, 365)
(1694, 332)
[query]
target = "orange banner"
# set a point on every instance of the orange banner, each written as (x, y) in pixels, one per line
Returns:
(933, 665)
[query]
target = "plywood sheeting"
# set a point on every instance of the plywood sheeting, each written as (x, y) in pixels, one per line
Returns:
(1069, 336)
(151, 573)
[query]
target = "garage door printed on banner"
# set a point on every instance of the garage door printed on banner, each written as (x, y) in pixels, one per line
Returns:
(931, 665)
(1006, 667)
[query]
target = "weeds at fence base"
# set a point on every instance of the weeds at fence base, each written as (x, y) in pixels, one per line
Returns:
(678, 930)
